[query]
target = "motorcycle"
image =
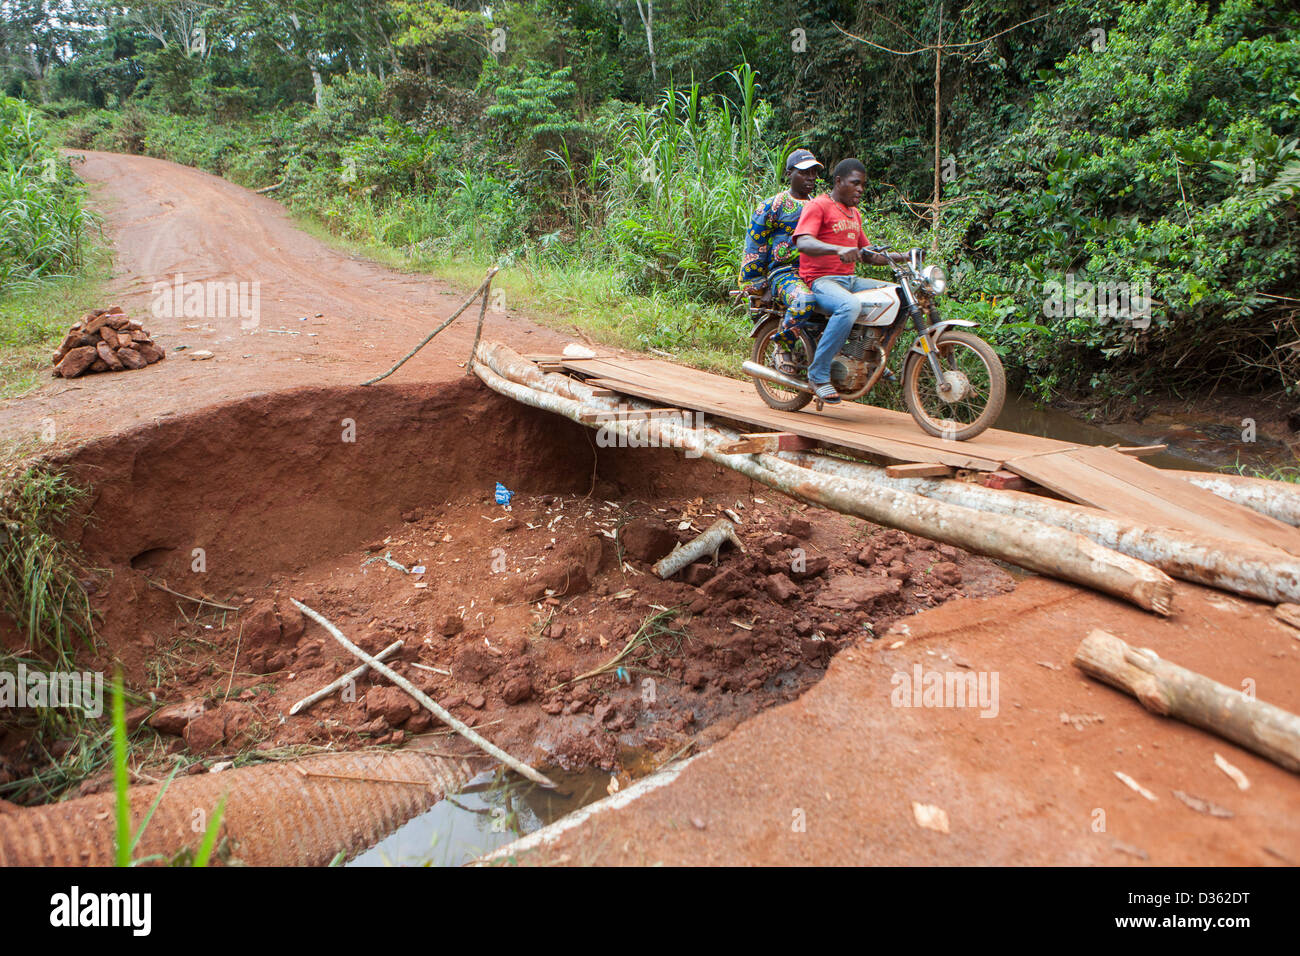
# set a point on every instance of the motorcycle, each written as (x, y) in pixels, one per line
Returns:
(953, 382)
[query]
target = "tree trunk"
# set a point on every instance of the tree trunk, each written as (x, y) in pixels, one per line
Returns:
(1173, 691)
(938, 59)
(317, 84)
(647, 18)
(1256, 572)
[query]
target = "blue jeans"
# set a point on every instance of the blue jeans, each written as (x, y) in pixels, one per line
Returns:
(834, 294)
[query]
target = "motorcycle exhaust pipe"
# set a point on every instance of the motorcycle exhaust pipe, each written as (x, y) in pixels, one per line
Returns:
(754, 370)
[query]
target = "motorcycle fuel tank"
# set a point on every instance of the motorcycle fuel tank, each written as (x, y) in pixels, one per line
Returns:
(879, 306)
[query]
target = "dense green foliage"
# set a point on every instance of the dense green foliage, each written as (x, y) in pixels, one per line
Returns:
(42, 224)
(1152, 144)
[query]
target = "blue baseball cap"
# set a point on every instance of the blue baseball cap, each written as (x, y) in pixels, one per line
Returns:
(801, 159)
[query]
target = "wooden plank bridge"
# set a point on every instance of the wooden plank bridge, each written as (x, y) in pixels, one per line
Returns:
(1091, 475)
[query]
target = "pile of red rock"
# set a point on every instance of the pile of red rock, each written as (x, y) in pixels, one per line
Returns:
(105, 340)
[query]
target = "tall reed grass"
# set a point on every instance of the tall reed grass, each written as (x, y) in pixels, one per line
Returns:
(43, 227)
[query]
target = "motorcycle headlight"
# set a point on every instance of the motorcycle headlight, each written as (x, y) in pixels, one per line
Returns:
(935, 278)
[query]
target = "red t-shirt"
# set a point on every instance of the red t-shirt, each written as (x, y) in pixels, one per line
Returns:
(825, 219)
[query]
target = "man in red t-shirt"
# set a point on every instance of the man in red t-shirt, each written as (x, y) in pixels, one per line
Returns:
(831, 242)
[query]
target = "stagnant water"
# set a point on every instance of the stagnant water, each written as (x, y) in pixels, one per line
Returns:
(1199, 446)
(493, 809)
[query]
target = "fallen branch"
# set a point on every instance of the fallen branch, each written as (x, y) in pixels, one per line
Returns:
(351, 675)
(1173, 691)
(163, 587)
(478, 329)
(708, 542)
(481, 290)
(380, 667)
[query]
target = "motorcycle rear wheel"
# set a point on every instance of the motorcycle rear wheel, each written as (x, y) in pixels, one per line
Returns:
(773, 395)
(978, 364)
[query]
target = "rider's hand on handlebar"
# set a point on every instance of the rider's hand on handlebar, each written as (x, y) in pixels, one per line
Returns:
(848, 255)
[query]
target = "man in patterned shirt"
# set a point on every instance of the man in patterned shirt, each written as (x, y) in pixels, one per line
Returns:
(771, 261)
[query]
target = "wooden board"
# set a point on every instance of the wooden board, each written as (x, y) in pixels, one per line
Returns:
(1110, 481)
(864, 428)
(1100, 477)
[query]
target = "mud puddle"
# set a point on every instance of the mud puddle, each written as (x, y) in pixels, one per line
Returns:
(1196, 443)
(491, 811)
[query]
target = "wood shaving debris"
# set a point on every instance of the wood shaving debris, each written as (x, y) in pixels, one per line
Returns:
(930, 817)
(1135, 786)
(1239, 778)
(1080, 721)
(1121, 847)
(1203, 806)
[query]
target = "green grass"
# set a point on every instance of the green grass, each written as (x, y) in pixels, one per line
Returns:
(34, 320)
(583, 299)
(125, 842)
(1271, 472)
(40, 573)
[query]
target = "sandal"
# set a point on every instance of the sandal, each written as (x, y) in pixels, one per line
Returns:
(825, 392)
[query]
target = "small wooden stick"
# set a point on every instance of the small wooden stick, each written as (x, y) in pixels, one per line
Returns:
(344, 776)
(707, 543)
(1173, 691)
(428, 338)
(518, 766)
(482, 311)
(351, 675)
(163, 587)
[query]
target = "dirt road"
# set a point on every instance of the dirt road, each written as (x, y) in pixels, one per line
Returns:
(1025, 774)
(166, 221)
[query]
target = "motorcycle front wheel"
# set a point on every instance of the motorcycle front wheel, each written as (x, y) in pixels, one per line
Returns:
(782, 399)
(977, 387)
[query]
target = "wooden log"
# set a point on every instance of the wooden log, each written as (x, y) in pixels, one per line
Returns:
(918, 469)
(1277, 499)
(756, 443)
(602, 416)
(1138, 451)
(1170, 690)
(1258, 572)
(1029, 544)
(717, 534)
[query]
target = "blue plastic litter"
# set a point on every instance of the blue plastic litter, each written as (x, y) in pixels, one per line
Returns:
(622, 674)
(504, 495)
